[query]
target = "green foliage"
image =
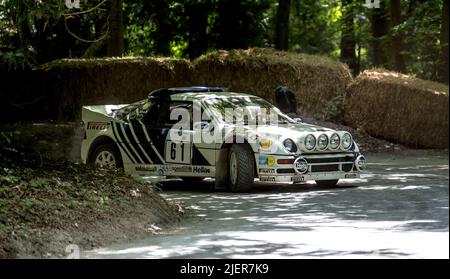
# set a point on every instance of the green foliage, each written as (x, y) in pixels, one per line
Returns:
(33, 32)
(315, 26)
(422, 30)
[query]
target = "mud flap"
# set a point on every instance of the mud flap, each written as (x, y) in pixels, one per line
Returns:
(221, 181)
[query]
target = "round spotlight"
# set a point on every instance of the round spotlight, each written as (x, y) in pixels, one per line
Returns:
(322, 142)
(346, 141)
(334, 141)
(310, 142)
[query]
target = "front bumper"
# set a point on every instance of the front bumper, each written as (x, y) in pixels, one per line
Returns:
(332, 166)
(298, 178)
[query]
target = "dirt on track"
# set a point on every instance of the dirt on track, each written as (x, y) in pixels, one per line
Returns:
(48, 203)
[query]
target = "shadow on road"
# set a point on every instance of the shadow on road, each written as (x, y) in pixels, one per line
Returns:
(207, 186)
(400, 209)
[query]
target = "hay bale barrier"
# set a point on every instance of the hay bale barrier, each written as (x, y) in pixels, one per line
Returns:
(399, 108)
(77, 82)
(313, 79)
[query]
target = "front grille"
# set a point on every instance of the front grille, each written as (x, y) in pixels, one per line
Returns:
(345, 161)
(330, 160)
(285, 171)
(323, 168)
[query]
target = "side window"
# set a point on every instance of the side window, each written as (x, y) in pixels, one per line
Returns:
(150, 114)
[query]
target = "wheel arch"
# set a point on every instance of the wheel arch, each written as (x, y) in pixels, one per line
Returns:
(100, 141)
(242, 140)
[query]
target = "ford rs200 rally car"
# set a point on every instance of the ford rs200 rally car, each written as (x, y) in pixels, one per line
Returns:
(198, 132)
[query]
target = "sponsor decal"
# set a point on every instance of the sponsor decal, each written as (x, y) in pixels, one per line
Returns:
(350, 175)
(298, 179)
(98, 125)
(163, 170)
(200, 170)
(262, 160)
(300, 165)
(265, 143)
(270, 161)
(146, 168)
(181, 169)
(267, 178)
(267, 170)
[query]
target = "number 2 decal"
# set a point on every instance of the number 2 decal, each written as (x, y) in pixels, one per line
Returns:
(178, 152)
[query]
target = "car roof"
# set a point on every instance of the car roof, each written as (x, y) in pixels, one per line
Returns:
(191, 96)
(193, 93)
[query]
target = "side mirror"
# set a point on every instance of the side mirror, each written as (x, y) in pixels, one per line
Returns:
(298, 120)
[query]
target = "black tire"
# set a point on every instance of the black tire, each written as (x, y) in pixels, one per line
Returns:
(192, 179)
(327, 183)
(108, 148)
(245, 168)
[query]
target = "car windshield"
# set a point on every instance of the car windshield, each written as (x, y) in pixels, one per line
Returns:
(132, 111)
(246, 110)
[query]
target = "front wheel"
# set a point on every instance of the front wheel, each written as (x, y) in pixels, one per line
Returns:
(241, 168)
(327, 183)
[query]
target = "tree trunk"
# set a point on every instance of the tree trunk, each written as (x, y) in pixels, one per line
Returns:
(282, 25)
(230, 30)
(114, 43)
(443, 71)
(348, 41)
(380, 30)
(397, 37)
(197, 28)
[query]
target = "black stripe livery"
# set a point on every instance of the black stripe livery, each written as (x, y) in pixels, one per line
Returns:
(125, 142)
(127, 127)
(120, 144)
(198, 158)
(139, 131)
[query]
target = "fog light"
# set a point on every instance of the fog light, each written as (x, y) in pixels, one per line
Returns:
(360, 163)
(300, 165)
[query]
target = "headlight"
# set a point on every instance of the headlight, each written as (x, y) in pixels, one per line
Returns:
(290, 145)
(334, 141)
(322, 142)
(346, 141)
(310, 142)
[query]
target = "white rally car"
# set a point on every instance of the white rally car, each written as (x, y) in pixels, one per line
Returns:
(198, 132)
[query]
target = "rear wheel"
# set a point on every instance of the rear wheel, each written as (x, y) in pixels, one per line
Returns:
(327, 183)
(106, 155)
(241, 168)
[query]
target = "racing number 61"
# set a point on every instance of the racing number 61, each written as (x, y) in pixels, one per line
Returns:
(173, 151)
(178, 152)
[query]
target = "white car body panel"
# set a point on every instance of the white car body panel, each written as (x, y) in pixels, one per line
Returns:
(148, 151)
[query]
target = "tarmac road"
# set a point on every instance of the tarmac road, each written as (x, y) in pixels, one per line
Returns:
(399, 210)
